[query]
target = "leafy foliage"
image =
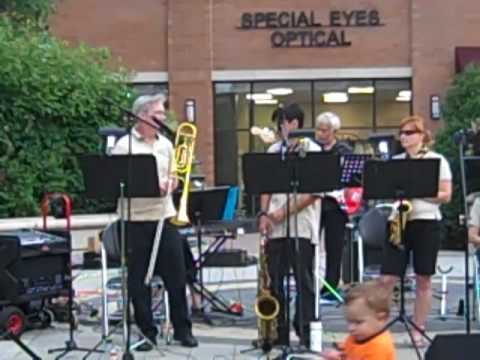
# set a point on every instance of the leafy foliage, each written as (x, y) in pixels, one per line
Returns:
(51, 105)
(460, 110)
(28, 12)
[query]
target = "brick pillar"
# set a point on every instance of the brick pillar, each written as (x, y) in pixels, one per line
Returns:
(190, 68)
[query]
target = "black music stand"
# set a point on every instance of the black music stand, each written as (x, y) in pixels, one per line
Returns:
(111, 178)
(395, 179)
(292, 173)
(206, 206)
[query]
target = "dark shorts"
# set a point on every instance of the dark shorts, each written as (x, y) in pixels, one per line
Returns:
(422, 238)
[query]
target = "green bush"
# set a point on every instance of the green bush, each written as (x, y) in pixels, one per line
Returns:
(461, 108)
(51, 106)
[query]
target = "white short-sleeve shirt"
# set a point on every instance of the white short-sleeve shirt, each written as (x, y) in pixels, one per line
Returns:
(308, 218)
(424, 209)
(149, 209)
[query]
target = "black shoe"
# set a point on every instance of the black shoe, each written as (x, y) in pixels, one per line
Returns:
(146, 346)
(187, 340)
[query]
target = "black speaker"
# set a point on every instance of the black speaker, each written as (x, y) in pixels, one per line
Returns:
(454, 347)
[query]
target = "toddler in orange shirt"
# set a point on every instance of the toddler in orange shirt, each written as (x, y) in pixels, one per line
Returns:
(367, 312)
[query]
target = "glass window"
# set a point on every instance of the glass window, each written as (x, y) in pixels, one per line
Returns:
(232, 124)
(268, 95)
(393, 99)
(351, 100)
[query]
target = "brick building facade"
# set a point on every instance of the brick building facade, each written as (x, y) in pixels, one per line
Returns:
(221, 52)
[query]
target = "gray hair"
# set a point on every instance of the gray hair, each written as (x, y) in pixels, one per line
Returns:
(144, 102)
(329, 118)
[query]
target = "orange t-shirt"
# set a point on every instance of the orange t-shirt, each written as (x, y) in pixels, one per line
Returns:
(378, 348)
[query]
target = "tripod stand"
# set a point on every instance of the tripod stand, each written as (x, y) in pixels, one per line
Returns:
(393, 180)
(293, 174)
(66, 209)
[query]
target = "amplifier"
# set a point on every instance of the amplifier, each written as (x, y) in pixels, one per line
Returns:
(229, 258)
(33, 265)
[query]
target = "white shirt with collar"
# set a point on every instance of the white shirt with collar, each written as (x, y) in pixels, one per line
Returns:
(308, 218)
(149, 209)
(423, 209)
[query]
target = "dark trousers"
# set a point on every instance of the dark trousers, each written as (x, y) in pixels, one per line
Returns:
(170, 266)
(281, 255)
(334, 221)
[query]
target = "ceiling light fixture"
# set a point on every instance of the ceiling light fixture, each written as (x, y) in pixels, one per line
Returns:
(259, 96)
(280, 91)
(266, 102)
(335, 97)
(361, 90)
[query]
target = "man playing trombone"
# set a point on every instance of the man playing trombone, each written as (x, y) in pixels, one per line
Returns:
(145, 214)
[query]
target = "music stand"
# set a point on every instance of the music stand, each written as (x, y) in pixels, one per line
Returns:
(352, 176)
(206, 206)
(111, 178)
(394, 179)
(292, 173)
(352, 169)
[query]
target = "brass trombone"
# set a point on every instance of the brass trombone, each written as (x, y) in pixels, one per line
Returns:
(184, 153)
(183, 160)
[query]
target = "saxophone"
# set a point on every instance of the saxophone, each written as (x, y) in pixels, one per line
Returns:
(397, 225)
(266, 306)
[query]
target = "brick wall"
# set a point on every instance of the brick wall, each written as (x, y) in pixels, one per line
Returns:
(251, 49)
(134, 31)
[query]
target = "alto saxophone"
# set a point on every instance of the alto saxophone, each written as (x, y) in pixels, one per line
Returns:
(397, 224)
(266, 305)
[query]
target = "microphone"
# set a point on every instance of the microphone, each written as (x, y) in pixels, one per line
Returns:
(164, 128)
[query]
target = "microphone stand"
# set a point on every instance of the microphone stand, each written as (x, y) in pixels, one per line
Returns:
(463, 220)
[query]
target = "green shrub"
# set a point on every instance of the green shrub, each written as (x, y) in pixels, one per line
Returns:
(51, 106)
(460, 109)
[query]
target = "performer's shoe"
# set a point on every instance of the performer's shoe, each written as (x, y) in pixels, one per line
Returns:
(150, 342)
(146, 346)
(187, 340)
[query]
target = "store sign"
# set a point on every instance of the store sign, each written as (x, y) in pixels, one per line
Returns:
(304, 29)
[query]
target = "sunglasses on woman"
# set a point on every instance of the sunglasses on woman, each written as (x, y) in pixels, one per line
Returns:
(408, 132)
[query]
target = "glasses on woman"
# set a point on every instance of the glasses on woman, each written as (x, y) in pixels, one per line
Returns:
(408, 132)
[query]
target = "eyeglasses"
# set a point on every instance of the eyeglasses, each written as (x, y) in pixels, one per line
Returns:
(408, 132)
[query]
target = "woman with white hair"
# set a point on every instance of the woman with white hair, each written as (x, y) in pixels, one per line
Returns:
(333, 218)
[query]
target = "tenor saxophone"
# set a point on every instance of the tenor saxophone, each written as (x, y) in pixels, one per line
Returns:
(266, 305)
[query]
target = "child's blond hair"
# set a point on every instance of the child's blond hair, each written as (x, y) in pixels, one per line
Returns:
(376, 296)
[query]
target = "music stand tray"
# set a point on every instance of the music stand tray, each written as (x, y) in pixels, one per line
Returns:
(103, 174)
(398, 179)
(119, 177)
(269, 174)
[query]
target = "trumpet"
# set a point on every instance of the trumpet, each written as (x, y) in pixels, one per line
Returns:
(397, 225)
(183, 160)
(266, 305)
(184, 153)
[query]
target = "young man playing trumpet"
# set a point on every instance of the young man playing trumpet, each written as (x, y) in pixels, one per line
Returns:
(145, 214)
